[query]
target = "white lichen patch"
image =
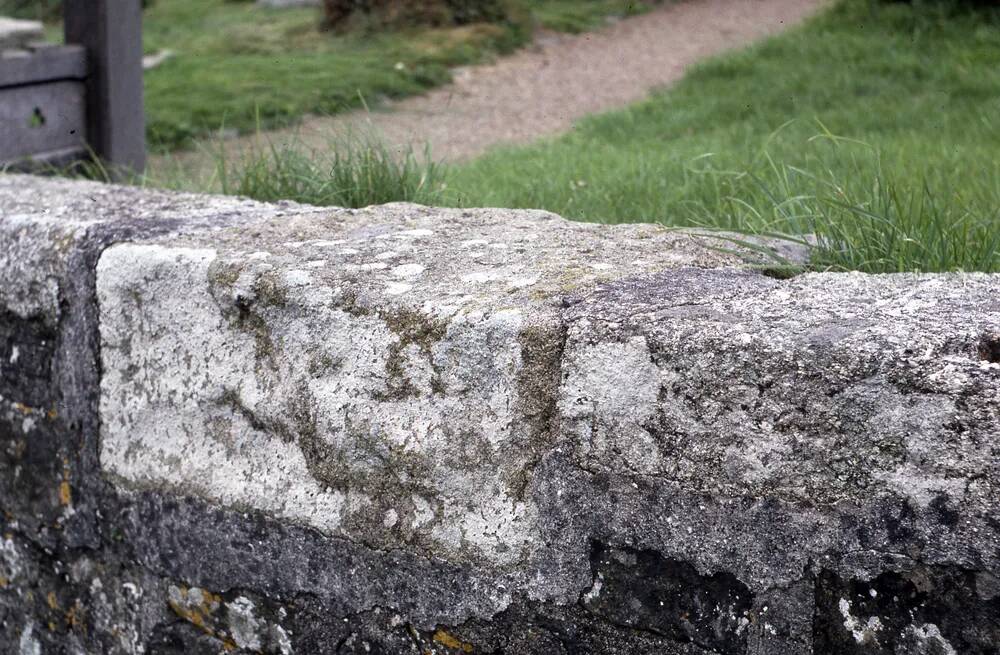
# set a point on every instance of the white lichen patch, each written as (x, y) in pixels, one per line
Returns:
(281, 640)
(244, 625)
(28, 643)
(297, 278)
(423, 512)
(407, 271)
(11, 565)
(928, 638)
(415, 233)
(480, 277)
(391, 519)
(523, 282)
(397, 288)
(615, 387)
(370, 266)
(595, 590)
(473, 243)
(863, 631)
(498, 527)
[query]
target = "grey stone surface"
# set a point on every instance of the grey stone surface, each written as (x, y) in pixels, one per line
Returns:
(387, 375)
(228, 426)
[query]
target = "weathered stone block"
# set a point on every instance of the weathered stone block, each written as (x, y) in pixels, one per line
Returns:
(278, 429)
(816, 424)
(387, 375)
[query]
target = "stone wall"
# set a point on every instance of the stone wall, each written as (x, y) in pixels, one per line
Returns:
(235, 427)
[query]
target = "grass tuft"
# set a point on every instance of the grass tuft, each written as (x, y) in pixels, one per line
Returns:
(857, 216)
(353, 171)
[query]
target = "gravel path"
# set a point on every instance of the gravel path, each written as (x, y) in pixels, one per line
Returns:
(544, 89)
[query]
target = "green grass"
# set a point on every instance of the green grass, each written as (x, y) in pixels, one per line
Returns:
(577, 16)
(240, 65)
(244, 66)
(355, 170)
(746, 142)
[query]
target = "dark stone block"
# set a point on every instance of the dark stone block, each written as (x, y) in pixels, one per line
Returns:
(925, 610)
(645, 591)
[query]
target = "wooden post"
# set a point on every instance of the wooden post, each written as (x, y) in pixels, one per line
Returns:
(111, 32)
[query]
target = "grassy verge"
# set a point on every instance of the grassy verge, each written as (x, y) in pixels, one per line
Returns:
(355, 170)
(243, 66)
(577, 16)
(747, 141)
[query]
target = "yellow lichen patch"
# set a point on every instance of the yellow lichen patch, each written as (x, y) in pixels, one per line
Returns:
(192, 616)
(21, 407)
(65, 491)
(196, 606)
(73, 616)
(210, 601)
(450, 641)
(52, 414)
(3, 582)
(51, 599)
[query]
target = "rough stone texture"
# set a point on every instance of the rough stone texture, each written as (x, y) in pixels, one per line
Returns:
(388, 375)
(227, 426)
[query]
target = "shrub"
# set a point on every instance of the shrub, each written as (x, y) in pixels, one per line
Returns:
(31, 9)
(401, 13)
(47, 10)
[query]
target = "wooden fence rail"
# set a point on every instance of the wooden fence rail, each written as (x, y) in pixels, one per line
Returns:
(61, 103)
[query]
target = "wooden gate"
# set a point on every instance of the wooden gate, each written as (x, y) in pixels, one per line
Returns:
(61, 103)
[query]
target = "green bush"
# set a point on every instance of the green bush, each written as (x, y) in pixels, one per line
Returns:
(31, 9)
(47, 10)
(401, 13)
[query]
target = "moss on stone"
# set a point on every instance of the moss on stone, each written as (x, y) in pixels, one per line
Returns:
(412, 329)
